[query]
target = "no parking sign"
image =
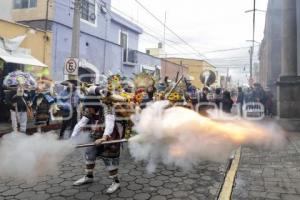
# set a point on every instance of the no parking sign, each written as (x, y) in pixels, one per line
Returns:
(71, 66)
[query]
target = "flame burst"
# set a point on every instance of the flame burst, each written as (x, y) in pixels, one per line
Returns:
(183, 137)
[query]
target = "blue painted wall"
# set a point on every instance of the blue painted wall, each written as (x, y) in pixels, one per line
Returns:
(99, 43)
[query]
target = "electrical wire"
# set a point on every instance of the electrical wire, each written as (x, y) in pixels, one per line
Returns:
(156, 36)
(168, 28)
(153, 34)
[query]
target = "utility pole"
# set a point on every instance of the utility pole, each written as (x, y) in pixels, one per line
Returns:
(251, 51)
(251, 60)
(253, 39)
(227, 77)
(164, 43)
(76, 34)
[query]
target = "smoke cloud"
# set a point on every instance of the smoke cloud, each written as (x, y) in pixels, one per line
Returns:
(181, 137)
(27, 158)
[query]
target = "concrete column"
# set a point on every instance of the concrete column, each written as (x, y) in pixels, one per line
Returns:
(289, 39)
(298, 35)
(288, 85)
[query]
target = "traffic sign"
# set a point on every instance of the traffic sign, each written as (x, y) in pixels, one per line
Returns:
(71, 66)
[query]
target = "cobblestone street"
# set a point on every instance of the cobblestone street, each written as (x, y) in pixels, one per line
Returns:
(203, 182)
(263, 174)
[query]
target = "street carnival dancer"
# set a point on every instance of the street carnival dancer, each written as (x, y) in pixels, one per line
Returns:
(43, 103)
(145, 89)
(103, 119)
(18, 84)
(19, 106)
(98, 113)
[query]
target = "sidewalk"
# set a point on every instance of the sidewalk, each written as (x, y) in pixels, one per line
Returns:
(31, 128)
(269, 175)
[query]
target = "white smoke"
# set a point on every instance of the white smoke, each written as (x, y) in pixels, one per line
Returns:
(181, 137)
(27, 158)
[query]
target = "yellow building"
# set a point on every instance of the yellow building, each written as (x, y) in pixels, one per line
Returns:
(36, 12)
(195, 68)
(157, 52)
(37, 42)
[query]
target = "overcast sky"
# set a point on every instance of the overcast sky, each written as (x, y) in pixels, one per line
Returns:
(207, 25)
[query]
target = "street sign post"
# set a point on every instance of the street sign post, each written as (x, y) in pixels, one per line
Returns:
(71, 66)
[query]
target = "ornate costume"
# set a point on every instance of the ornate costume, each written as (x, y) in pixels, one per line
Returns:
(41, 104)
(100, 120)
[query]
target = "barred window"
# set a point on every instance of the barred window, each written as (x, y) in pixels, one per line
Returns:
(124, 45)
(88, 10)
(23, 4)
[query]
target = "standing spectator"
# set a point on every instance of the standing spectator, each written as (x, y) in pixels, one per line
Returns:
(218, 97)
(249, 95)
(259, 93)
(3, 109)
(269, 104)
(204, 103)
(166, 81)
(68, 101)
(227, 102)
(191, 93)
(240, 100)
(18, 110)
(203, 95)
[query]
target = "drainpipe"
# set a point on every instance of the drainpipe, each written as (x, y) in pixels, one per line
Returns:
(45, 29)
(105, 43)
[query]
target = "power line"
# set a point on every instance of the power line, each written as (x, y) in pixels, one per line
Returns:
(232, 59)
(216, 51)
(155, 35)
(225, 50)
(168, 28)
(140, 24)
(143, 26)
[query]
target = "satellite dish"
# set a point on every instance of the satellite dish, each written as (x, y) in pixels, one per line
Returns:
(208, 77)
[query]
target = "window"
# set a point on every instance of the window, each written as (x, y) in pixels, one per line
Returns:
(21, 4)
(124, 45)
(88, 11)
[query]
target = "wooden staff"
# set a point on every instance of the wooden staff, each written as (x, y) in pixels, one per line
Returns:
(108, 142)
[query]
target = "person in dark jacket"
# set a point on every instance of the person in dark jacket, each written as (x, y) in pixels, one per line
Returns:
(269, 104)
(240, 100)
(218, 97)
(227, 102)
(204, 103)
(192, 94)
(68, 102)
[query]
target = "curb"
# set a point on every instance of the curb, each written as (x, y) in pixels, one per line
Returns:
(228, 184)
(32, 130)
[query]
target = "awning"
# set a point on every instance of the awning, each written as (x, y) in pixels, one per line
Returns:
(19, 57)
